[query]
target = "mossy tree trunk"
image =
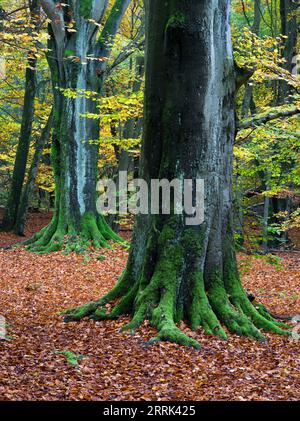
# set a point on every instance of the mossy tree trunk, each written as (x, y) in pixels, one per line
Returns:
(177, 272)
(77, 62)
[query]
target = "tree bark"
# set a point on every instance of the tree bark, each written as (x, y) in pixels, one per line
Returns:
(27, 190)
(248, 102)
(266, 223)
(177, 272)
(290, 29)
(77, 62)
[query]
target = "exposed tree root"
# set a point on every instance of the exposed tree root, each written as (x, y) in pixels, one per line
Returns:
(158, 299)
(242, 322)
(60, 235)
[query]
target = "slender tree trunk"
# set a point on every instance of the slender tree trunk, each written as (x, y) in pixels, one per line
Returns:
(266, 223)
(132, 130)
(257, 17)
(248, 103)
(77, 63)
(248, 106)
(18, 176)
(238, 211)
(290, 29)
(177, 272)
(28, 188)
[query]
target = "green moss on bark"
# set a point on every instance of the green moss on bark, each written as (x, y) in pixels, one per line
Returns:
(86, 8)
(177, 20)
(69, 53)
(200, 311)
(62, 233)
(239, 299)
(175, 291)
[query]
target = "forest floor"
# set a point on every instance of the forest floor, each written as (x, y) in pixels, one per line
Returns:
(117, 366)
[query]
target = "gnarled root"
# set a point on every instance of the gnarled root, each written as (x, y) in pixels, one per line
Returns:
(161, 299)
(59, 235)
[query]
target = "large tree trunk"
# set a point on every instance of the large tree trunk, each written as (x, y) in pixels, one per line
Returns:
(11, 209)
(77, 63)
(177, 272)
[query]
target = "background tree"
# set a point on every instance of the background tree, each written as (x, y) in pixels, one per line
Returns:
(32, 173)
(289, 28)
(268, 138)
(13, 201)
(77, 60)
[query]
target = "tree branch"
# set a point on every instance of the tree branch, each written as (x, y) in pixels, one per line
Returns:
(109, 31)
(245, 13)
(127, 52)
(260, 119)
(55, 13)
(15, 11)
(242, 75)
(98, 10)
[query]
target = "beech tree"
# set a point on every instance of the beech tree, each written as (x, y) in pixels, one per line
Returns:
(177, 272)
(32, 173)
(77, 58)
(13, 202)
